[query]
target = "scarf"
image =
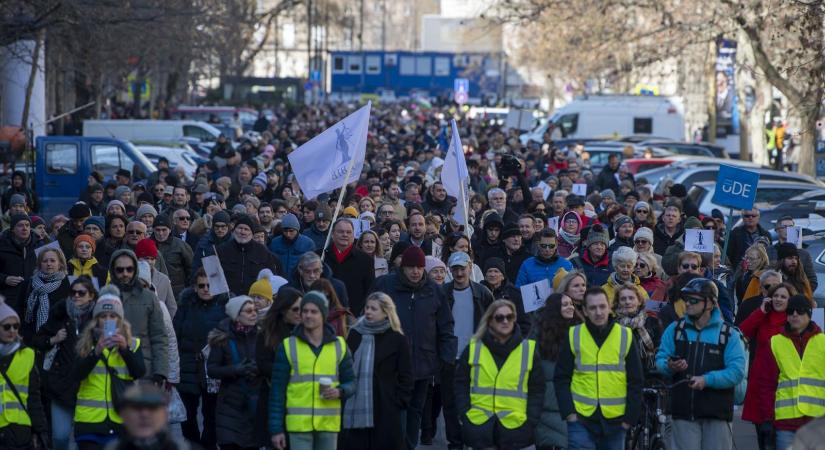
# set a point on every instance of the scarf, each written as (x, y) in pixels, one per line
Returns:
(8, 349)
(38, 301)
(570, 238)
(80, 314)
(637, 324)
(358, 410)
(241, 328)
(341, 255)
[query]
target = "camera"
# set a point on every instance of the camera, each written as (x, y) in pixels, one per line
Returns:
(509, 166)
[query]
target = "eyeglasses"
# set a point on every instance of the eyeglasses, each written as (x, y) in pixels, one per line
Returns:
(79, 292)
(693, 300)
(643, 211)
(798, 311)
(203, 285)
(129, 269)
(501, 318)
(9, 326)
(690, 266)
(548, 246)
(750, 216)
(138, 232)
(182, 218)
(640, 241)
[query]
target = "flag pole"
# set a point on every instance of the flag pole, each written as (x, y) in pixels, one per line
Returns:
(462, 193)
(338, 207)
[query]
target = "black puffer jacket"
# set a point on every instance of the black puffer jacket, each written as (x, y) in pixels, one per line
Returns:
(238, 397)
(16, 260)
(59, 387)
(193, 321)
(242, 262)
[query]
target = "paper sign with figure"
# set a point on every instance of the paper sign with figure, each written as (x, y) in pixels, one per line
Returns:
(39, 250)
(553, 223)
(580, 189)
(359, 226)
(214, 272)
(534, 295)
(795, 235)
(700, 241)
(545, 189)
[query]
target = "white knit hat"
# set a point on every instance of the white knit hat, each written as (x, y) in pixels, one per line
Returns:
(644, 233)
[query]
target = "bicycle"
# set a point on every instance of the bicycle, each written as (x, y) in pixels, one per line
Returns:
(649, 434)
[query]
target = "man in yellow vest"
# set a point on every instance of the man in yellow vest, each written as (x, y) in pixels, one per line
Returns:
(799, 354)
(499, 383)
(598, 378)
(312, 373)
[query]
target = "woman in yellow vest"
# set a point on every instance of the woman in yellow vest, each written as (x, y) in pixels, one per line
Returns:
(797, 365)
(499, 383)
(105, 347)
(312, 373)
(22, 420)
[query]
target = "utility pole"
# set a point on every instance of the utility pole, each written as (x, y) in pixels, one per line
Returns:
(384, 25)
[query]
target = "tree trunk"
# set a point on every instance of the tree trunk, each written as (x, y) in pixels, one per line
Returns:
(809, 138)
(710, 77)
(38, 44)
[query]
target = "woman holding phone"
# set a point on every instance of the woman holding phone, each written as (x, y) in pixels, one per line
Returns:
(105, 347)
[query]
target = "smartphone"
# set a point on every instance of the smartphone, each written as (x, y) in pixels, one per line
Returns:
(109, 328)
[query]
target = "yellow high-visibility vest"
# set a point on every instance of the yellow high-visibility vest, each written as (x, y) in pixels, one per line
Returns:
(11, 411)
(94, 397)
(500, 392)
(305, 409)
(801, 388)
(599, 377)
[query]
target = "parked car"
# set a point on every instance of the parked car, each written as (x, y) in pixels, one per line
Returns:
(693, 175)
(177, 157)
(601, 151)
(643, 165)
(815, 244)
(769, 192)
(688, 148)
(818, 194)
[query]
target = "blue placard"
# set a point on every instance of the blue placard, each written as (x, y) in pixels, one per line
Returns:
(735, 187)
(461, 85)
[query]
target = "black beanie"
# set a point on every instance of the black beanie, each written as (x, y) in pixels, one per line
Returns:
(398, 250)
(221, 217)
(495, 263)
(786, 250)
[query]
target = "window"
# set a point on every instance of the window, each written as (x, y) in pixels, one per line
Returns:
(642, 125)
(198, 133)
(108, 159)
(354, 65)
(407, 65)
(442, 66)
(568, 124)
(776, 195)
(390, 59)
(423, 66)
(61, 159)
(338, 65)
(373, 65)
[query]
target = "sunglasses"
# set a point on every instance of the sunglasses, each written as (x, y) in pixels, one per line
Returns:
(79, 292)
(749, 216)
(501, 318)
(203, 286)
(641, 264)
(690, 266)
(549, 246)
(693, 300)
(798, 311)
(9, 326)
(187, 218)
(643, 211)
(138, 232)
(129, 269)
(640, 241)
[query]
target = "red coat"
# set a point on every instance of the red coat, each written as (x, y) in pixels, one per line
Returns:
(772, 370)
(759, 328)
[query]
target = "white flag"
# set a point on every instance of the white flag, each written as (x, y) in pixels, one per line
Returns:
(455, 176)
(321, 164)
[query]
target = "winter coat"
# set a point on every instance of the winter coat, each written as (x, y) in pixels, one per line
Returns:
(58, 386)
(512, 262)
(662, 240)
(178, 257)
(91, 268)
(392, 385)
(265, 359)
(280, 378)
(289, 253)
(651, 283)
(206, 247)
(163, 290)
(356, 271)
(738, 243)
(759, 328)
(431, 205)
(492, 433)
(613, 284)
(482, 297)
(142, 311)
(508, 291)
(27, 328)
(551, 429)
(340, 290)
(534, 269)
(597, 272)
(238, 396)
(318, 237)
(772, 372)
(426, 320)
(242, 262)
(65, 237)
(14, 436)
(16, 260)
(804, 259)
(193, 322)
(31, 197)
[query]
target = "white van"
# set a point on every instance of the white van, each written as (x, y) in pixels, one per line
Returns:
(614, 116)
(152, 130)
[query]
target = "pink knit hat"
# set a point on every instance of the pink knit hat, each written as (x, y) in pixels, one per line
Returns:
(6, 311)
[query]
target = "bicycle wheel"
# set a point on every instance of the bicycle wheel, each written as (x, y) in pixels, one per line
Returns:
(633, 440)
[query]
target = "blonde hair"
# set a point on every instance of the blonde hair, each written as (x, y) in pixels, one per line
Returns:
(628, 287)
(61, 259)
(484, 323)
(762, 254)
(86, 342)
(379, 249)
(565, 282)
(388, 307)
(652, 263)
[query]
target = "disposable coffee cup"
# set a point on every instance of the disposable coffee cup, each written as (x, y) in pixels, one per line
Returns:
(325, 383)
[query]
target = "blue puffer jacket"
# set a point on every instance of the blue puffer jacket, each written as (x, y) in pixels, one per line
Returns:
(289, 253)
(533, 269)
(318, 237)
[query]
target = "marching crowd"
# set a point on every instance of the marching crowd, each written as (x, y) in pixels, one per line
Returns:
(359, 333)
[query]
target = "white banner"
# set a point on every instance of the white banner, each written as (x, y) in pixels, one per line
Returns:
(454, 175)
(700, 241)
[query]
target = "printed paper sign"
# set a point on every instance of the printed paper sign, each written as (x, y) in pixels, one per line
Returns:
(214, 272)
(700, 241)
(359, 226)
(795, 235)
(39, 250)
(534, 295)
(545, 189)
(580, 189)
(553, 223)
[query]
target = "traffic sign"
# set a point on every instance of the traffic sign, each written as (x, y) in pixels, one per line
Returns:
(735, 187)
(461, 97)
(461, 90)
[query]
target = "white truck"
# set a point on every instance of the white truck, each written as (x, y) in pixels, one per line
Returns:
(152, 130)
(614, 116)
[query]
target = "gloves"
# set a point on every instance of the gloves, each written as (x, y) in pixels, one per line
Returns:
(245, 367)
(158, 380)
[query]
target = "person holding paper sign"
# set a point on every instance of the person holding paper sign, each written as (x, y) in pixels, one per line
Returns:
(805, 259)
(545, 264)
(788, 263)
(745, 235)
(499, 383)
